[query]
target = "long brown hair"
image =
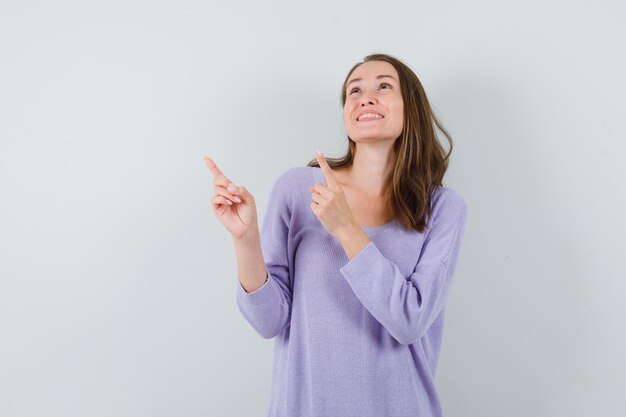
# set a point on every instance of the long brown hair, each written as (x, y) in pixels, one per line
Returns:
(422, 161)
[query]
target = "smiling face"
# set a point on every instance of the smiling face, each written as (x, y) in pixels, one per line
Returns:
(373, 87)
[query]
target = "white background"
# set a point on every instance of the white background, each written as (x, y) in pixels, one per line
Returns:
(117, 283)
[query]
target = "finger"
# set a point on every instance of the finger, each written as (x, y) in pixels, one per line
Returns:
(220, 178)
(242, 192)
(326, 170)
(220, 191)
(317, 188)
(212, 166)
(218, 199)
(316, 198)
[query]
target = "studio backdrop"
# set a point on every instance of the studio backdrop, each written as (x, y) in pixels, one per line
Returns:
(117, 282)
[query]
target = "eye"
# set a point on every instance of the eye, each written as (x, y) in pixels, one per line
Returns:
(357, 88)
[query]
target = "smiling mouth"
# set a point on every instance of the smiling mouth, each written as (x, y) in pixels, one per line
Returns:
(369, 119)
(370, 116)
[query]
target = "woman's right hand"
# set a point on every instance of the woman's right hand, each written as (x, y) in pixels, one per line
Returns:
(239, 217)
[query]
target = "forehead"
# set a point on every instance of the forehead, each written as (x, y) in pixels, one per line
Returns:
(371, 69)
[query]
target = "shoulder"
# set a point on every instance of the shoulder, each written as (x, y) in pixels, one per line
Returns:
(293, 181)
(294, 176)
(290, 189)
(448, 204)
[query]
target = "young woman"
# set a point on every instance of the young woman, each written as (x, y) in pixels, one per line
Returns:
(353, 264)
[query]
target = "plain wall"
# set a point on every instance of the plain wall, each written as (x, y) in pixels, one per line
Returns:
(117, 283)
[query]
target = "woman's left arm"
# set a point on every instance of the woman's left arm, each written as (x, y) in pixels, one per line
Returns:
(407, 307)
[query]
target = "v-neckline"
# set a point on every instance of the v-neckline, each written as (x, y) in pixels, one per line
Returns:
(320, 176)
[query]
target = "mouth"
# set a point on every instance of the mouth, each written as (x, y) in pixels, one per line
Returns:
(370, 118)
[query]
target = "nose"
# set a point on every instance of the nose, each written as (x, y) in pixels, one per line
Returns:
(367, 98)
(368, 101)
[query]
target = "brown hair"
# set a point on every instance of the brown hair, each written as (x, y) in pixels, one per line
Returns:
(422, 160)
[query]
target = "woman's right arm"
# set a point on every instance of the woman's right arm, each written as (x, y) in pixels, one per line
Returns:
(264, 294)
(236, 209)
(251, 268)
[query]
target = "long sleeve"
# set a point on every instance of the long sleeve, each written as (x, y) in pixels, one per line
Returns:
(268, 308)
(407, 306)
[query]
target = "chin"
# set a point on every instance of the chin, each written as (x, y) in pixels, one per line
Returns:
(364, 138)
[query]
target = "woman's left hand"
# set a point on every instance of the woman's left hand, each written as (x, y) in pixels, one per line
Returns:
(329, 202)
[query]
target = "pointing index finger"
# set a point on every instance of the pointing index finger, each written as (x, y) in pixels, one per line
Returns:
(212, 166)
(326, 170)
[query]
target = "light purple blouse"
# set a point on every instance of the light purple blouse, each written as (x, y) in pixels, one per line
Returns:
(359, 337)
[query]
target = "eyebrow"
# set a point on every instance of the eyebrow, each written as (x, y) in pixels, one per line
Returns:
(378, 78)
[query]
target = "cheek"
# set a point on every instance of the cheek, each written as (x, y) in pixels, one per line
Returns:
(399, 111)
(399, 116)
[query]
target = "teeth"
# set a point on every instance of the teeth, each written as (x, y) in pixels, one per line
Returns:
(377, 116)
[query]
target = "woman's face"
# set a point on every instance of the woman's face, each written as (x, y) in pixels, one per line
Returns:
(373, 92)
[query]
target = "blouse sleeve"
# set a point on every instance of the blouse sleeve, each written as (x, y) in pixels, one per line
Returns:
(407, 306)
(268, 308)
